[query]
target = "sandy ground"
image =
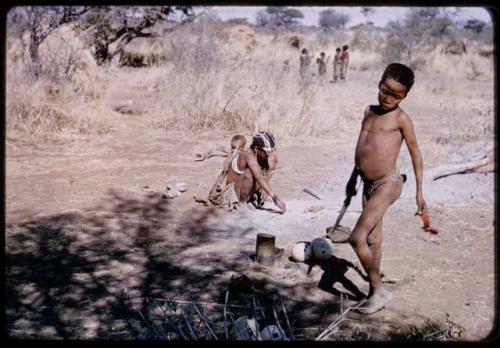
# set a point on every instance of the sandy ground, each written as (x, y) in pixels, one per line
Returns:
(87, 222)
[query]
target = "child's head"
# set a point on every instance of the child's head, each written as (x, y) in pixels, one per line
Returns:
(322, 54)
(238, 142)
(304, 51)
(394, 85)
(345, 47)
(337, 49)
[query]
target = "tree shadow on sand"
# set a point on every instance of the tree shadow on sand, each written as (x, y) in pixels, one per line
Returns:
(86, 275)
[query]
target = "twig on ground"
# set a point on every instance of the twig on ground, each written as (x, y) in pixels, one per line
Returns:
(189, 326)
(261, 309)
(172, 323)
(150, 326)
(225, 315)
(330, 329)
(197, 302)
(287, 321)
(205, 321)
(255, 318)
(282, 332)
(312, 193)
(438, 333)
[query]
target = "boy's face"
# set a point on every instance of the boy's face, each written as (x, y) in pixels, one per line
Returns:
(390, 94)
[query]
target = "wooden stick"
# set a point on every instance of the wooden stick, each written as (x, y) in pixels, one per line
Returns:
(255, 318)
(314, 194)
(197, 302)
(149, 325)
(287, 321)
(189, 326)
(173, 324)
(205, 321)
(282, 332)
(461, 168)
(329, 330)
(225, 315)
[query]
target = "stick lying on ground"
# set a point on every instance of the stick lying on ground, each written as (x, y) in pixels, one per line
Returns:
(330, 330)
(312, 193)
(482, 162)
(217, 151)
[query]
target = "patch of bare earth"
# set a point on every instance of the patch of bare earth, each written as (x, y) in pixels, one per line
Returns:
(90, 235)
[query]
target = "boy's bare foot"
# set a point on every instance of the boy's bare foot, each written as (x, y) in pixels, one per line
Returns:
(375, 302)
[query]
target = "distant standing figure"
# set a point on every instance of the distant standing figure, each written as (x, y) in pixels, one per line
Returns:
(345, 61)
(305, 61)
(321, 64)
(337, 64)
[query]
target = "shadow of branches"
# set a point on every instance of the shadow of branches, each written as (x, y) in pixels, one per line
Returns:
(87, 275)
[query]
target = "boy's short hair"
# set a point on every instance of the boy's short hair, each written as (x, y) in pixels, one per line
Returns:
(304, 50)
(337, 49)
(345, 47)
(399, 73)
(322, 53)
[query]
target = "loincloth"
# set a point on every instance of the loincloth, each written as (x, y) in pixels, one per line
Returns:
(369, 186)
(221, 195)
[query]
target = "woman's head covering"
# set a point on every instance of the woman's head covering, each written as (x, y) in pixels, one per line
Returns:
(265, 141)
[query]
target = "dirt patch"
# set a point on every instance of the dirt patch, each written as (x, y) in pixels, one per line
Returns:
(90, 235)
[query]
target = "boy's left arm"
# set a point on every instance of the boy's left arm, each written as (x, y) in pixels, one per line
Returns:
(416, 158)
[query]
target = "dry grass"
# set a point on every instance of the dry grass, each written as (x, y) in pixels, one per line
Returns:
(64, 98)
(233, 78)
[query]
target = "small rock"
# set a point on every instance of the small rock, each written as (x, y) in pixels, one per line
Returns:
(173, 193)
(182, 186)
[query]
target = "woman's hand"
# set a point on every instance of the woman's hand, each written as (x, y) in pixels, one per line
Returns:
(279, 203)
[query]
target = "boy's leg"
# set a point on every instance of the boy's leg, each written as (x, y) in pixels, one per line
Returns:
(366, 240)
(374, 243)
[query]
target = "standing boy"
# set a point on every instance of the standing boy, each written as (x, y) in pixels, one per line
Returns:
(337, 64)
(345, 61)
(383, 129)
(305, 61)
(322, 64)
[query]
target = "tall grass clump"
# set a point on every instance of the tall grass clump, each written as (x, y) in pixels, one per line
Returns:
(60, 98)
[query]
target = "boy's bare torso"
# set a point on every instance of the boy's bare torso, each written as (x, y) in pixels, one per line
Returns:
(379, 143)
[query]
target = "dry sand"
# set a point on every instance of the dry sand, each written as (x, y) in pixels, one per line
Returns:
(86, 219)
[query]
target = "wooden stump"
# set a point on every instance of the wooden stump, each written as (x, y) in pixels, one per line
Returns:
(264, 253)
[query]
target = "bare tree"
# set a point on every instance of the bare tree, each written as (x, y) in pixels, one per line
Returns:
(475, 25)
(40, 22)
(367, 11)
(332, 19)
(105, 24)
(420, 25)
(275, 16)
